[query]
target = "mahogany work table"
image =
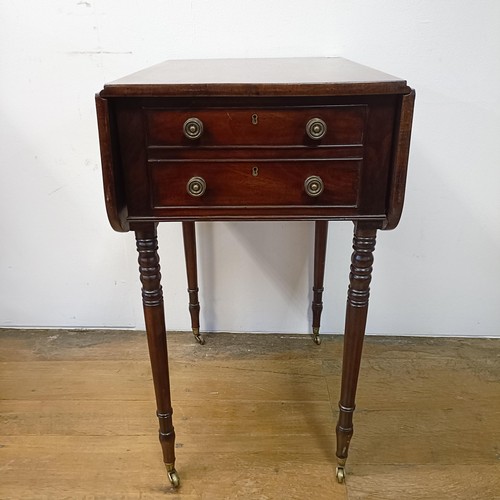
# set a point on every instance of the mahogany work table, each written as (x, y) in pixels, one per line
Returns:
(319, 139)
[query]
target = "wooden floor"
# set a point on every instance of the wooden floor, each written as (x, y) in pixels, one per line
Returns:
(254, 416)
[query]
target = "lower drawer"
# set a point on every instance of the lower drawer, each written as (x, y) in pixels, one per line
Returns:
(264, 183)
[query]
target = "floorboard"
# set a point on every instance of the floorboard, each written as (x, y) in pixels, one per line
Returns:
(254, 416)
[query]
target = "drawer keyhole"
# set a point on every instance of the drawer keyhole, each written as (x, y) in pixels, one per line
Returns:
(255, 171)
(255, 119)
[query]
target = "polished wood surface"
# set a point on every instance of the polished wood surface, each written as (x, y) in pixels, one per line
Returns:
(154, 316)
(355, 325)
(319, 139)
(287, 76)
(114, 196)
(189, 239)
(320, 242)
(232, 184)
(270, 127)
(255, 418)
(356, 158)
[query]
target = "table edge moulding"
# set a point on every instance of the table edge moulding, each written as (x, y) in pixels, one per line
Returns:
(318, 139)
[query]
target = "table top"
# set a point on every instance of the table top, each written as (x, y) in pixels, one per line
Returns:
(258, 77)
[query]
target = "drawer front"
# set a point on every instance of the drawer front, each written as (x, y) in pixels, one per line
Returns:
(247, 184)
(256, 127)
(353, 159)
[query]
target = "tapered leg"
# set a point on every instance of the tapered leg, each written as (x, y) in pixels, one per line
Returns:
(152, 299)
(189, 236)
(320, 237)
(355, 323)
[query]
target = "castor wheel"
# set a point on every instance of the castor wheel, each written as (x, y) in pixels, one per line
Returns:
(340, 474)
(198, 337)
(173, 477)
(316, 337)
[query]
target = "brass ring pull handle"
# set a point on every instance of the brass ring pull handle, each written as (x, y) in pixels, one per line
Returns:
(196, 186)
(316, 128)
(193, 128)
(314, 185)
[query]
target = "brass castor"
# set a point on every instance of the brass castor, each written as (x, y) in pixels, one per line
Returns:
(198, 337)
(173, 477)
(340, 474)
(316, 337)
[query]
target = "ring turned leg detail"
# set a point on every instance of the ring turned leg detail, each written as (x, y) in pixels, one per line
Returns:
(189, 236)
(152, 299)
(355, 324)
(320, 238)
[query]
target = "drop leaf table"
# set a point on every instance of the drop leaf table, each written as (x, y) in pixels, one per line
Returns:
(316, 139)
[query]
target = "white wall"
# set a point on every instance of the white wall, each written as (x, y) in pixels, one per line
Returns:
(62, 265)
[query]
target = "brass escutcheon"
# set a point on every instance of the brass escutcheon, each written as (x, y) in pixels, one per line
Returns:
(255, 171)
(255, 119)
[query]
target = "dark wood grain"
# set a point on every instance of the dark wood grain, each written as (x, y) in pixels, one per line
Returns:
(254, 156)
(153, 136)
(400, 162)
(355, 325)
(116, 206)
(189, 238)
(152, 299)
(274, 127)
(247, 77)
(320, 239)
(234, 184)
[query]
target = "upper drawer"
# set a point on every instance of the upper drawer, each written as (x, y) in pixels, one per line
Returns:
(255, 127)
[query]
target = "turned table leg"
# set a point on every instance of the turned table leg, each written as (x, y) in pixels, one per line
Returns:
(320, 238)
(152, 299)
(355, 323)
(189, 236)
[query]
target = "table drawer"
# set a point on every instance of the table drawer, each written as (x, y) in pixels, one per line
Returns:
(265, 183)
(255, 127)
